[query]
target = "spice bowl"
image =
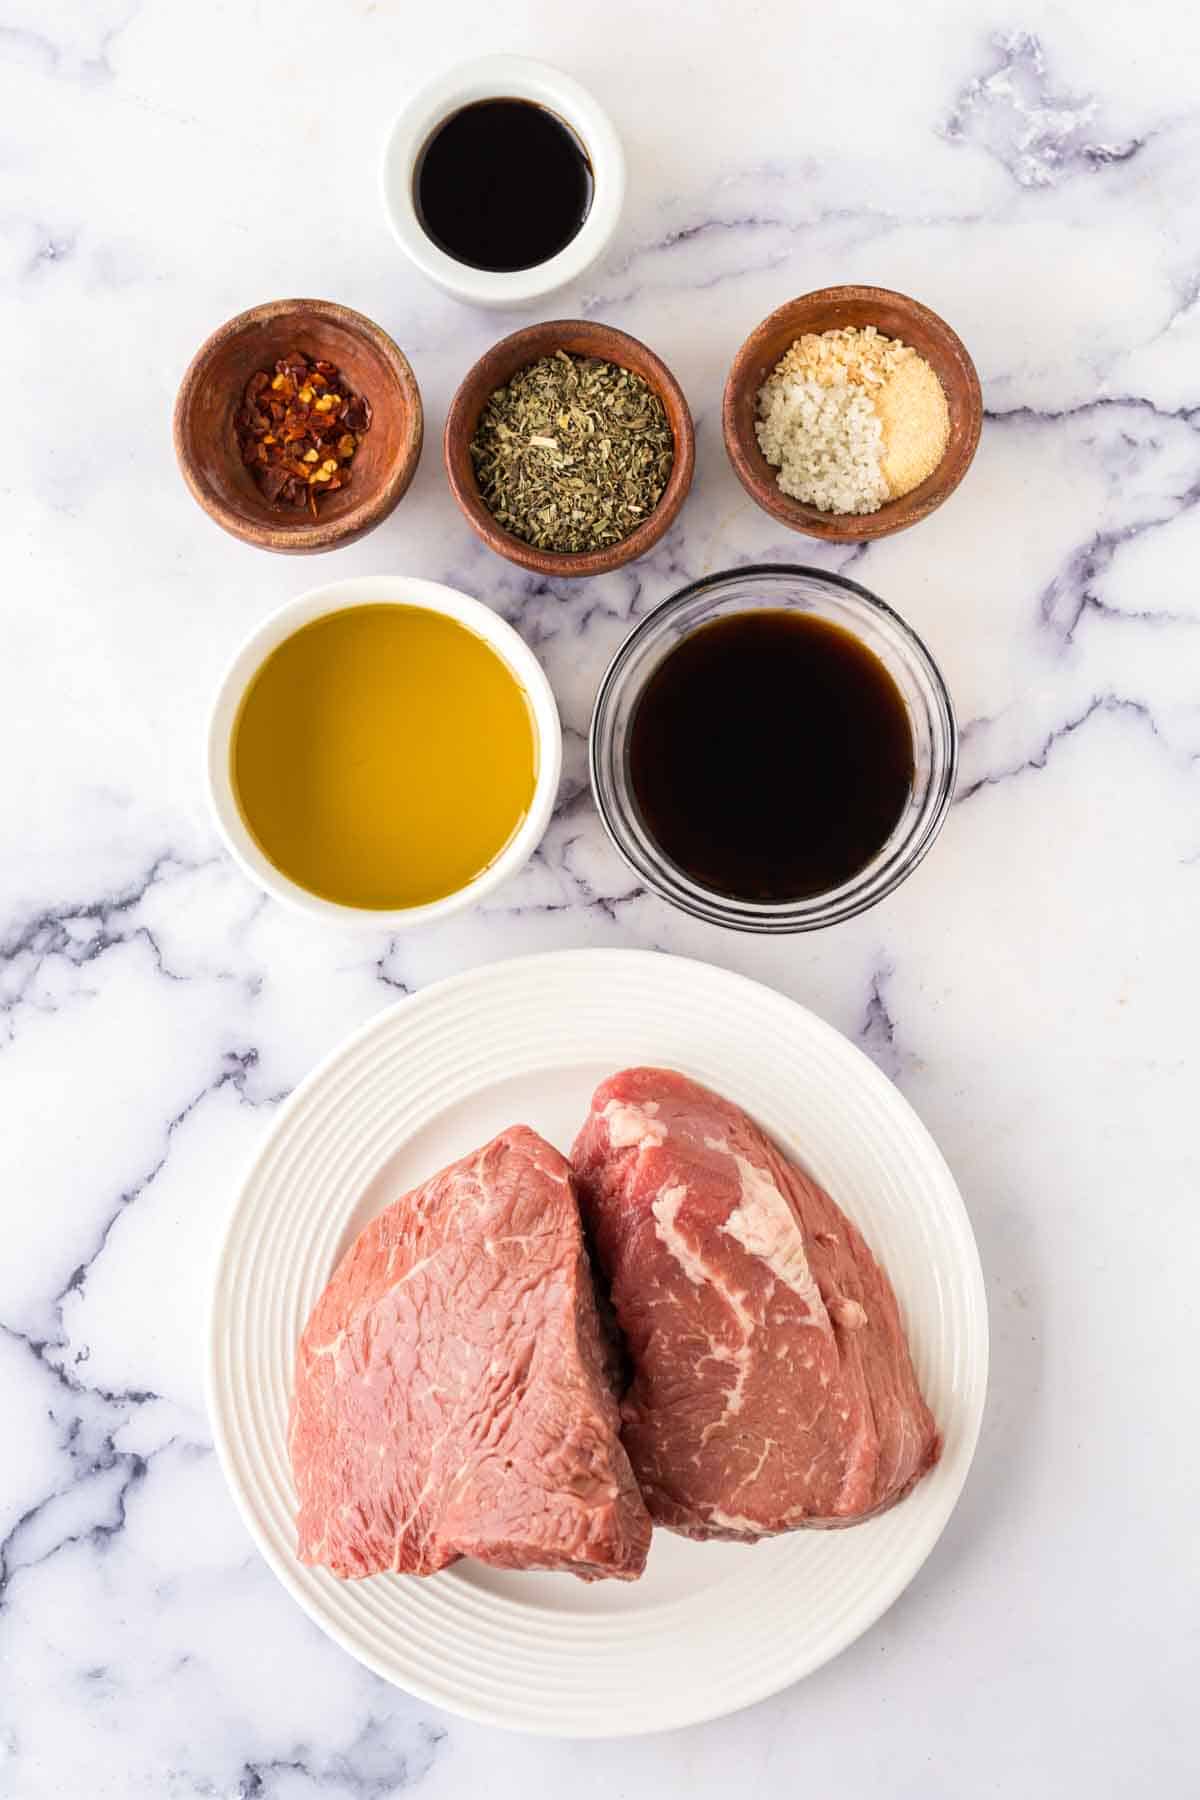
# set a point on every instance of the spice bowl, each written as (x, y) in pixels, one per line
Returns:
(798, 593)
(210, 396)
(576, 337)
(894, 316)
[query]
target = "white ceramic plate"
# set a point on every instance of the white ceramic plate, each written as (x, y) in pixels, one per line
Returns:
(710, 1627)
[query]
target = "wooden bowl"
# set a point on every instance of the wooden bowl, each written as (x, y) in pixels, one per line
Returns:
(501, 362)
(829, 309)
(211, 392)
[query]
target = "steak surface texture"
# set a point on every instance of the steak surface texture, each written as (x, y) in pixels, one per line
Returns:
(772, 1384)
(451, 1392)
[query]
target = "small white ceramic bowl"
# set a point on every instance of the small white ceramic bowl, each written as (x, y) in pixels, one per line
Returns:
(495, 78)
(367, 590)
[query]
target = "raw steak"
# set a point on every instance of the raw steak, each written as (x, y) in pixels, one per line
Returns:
(450, 1395)
(772, 1384)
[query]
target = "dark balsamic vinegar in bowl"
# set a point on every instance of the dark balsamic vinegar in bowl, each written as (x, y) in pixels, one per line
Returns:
(773, 749)
(503, 185)
(771, 756)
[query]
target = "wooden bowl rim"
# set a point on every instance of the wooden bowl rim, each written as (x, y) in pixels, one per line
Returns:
(895, 515)
(300, 535)
(491, 371)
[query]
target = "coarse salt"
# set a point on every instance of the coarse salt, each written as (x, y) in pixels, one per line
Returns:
(826, 443)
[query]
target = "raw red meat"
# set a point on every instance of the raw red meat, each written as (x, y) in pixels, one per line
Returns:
(772, 1383)
(451, 1396)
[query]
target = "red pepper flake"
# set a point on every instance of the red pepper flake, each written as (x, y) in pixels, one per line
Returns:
(298, 428)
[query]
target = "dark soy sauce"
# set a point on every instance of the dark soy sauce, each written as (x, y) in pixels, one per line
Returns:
(770, 756)
(503, 185)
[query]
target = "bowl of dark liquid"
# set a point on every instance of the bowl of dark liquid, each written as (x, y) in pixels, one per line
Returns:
(503, 180)
(773, 749)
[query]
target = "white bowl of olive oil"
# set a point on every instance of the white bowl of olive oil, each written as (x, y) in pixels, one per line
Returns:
(383, 751)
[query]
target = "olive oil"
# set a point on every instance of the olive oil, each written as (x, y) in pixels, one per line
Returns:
(771, 756)
(383, 756)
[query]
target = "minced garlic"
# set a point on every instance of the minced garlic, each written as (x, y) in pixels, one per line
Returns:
(851, 419)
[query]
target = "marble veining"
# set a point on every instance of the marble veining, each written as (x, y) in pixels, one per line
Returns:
(1030, 173)
(1038, 133)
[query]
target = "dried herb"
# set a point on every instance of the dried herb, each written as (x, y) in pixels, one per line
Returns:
(573, 454)
(298, 428)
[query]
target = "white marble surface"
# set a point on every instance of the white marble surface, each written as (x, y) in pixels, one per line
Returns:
(1030, 172)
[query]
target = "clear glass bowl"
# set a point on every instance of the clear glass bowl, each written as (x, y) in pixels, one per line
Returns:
(777, 586)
